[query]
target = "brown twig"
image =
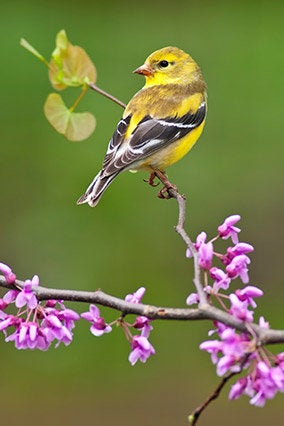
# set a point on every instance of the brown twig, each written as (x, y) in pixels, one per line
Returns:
(194, 416)
(93, 86)
(181, 200)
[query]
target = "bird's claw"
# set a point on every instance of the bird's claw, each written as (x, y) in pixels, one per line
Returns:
(165, 192)
(151, 179)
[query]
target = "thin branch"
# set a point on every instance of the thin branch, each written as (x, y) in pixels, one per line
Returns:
(181, 200)
(93, 86)
(207, 312)
(194, 416)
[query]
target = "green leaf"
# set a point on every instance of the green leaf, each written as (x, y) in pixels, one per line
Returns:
(70, 65)
(26, 45)
(74, 126)
(61, 43)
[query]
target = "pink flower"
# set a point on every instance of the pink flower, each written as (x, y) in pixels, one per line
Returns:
(248, 293)
(141, 350)
(9, 275)
(265, 383)
(28, 335)
(221, 279)
(8, 321)
(54, 329)
(227, 352)
(200, 239)
(227, 229)
(57, 325)
(239, 309)
(136, 297)
(192, 299)
(98, 327)
(262, 323)
(142, 323)
(213, 347)
(238, 268)
(10, 296)
(237, 250)
(26, 296)
(238, 388)
(205, 252)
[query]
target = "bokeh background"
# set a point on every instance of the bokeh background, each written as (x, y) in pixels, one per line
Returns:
(128, 240)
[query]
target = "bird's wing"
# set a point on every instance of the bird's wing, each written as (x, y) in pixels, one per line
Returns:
(150, 136)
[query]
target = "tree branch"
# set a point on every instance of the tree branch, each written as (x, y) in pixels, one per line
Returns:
(207, 312)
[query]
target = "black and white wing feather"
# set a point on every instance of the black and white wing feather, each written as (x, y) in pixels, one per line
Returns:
(150, 135)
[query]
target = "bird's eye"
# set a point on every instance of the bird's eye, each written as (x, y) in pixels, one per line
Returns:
(163, 64)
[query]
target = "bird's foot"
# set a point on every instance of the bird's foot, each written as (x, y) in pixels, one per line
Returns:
(165, 192)
(151, 179)
(169, 190)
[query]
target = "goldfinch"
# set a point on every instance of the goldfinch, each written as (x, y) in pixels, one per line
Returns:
(160, 124)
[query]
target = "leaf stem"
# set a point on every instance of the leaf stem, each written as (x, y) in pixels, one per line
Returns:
(26, 45)
(82, 94)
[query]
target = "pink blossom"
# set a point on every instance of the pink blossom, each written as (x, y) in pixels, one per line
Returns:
(28, 335)
(141, 322)
(239, 309)
(227, 352)
(238, 388)
(262, 323)
(200, 239)
(213, 347)
(205, 252)
(238, 268)
(10, 296)
(136, 297)
(265, 383)
(192, 299)
(237, 250)
(141, 350)
(9, 321)
(221, 279)
(9, 275)
(26, 296)
(248, 293)
(227, 229)
(98, 327)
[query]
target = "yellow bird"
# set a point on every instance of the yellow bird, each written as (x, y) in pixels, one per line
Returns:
(160, 124)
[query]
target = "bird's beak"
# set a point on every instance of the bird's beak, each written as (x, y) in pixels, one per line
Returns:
(144, 70)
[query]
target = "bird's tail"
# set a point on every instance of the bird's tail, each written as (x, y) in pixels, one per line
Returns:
(96, 189)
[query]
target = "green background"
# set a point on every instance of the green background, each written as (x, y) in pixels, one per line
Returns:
(128, 240)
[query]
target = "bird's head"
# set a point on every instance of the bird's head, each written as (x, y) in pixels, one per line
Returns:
(169, 65)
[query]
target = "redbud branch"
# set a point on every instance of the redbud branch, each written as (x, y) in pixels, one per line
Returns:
(194, 416)
(181, 200)
(207, 312)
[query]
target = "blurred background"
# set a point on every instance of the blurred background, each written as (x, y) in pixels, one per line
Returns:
(128, 240)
